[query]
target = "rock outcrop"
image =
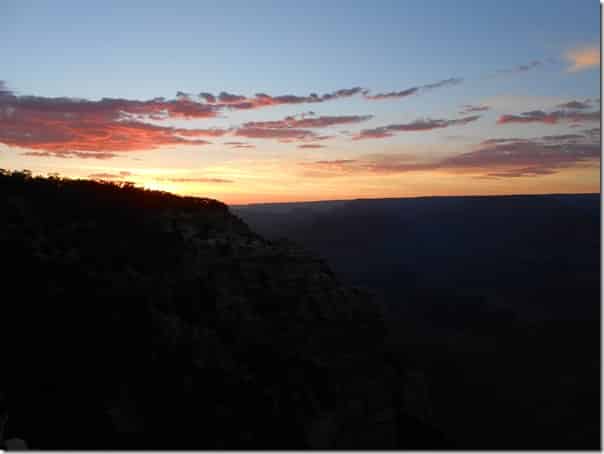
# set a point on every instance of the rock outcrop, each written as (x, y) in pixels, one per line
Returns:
(143, 320)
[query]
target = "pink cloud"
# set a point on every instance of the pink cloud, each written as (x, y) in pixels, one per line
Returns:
(539, 116)
(417, 125)
(493, 158)
(232, 101)
(110, 176)
(311, 145)
(582, 58)
(305, 122)
(195, 180)
(69, 154)
(280, 134)
(66, 127)
(240, 145)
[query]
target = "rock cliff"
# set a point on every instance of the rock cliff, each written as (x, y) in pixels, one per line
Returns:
(142, 320)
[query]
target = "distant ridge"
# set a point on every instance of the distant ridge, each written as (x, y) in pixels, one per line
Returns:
(238, 205)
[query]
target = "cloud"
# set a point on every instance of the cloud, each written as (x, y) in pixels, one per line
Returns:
(539, 116)
(593, 132)
(563, 137)
(518, 69)
(110, 176)
(107, 108)
(279, 134)
(310, 145)
(366, 165)
(4, 91)
(70, 154)
(493, 158)
(330, 168)
(240, 145)
(305, 122)
(200, 132)
(521, 103)
(195, 180)
(504, 140)
(583, 58)
(576, 105)
(207, 97)
(67, 127)
(393, 94)
(443, 83)
(523, 172)
(70, 135)
(525, 158)
(336, 162)
(413, 90)
(468, 108)
(521, 68)
(228, 98)
(417, 125)
(231, 101)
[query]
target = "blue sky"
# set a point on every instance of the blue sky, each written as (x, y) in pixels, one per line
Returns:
(147, 49)
(144, 50)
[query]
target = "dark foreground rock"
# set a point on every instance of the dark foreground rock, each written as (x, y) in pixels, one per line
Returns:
(141, 320)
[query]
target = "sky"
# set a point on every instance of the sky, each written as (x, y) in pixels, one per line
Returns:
(262, 101)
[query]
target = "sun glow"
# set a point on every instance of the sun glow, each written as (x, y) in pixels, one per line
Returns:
(155, 185)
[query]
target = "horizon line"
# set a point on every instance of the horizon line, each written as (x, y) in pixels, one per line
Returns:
(550, 194)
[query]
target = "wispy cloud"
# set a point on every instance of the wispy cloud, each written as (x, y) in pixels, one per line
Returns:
(240, 145)
(558, 137)
(443, 83)
(335, 162)
(226, 100)
(493, 158)
(393, 94)
(70, 154)
(413, 90)
(279, 134)
(525, 158)
(110, 176)
(521, 68)
(539, 116)
(417, 125)
(468, 108)
(593, 132)
(311, 145)
(194, 180)
(305, 122)
(582, 58)
(576, 105)
(517, 69)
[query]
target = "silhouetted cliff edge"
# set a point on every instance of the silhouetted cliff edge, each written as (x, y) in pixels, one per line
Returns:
(142, 320)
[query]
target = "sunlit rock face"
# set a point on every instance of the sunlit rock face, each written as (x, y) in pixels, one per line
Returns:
(143, 320)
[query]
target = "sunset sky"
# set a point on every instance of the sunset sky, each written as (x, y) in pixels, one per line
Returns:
(253, 101)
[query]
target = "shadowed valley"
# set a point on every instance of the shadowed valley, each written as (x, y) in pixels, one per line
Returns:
(496, 299)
